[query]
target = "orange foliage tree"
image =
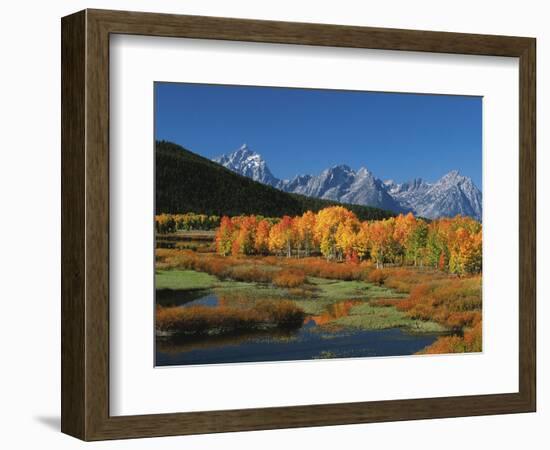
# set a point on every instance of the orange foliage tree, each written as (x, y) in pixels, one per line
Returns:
(261, 242)
(382, 241)
(245, 239)
(328, 221)
(282, 236)
(224, 236)
(305, 232)
(362, 241)
(453, 245)
(346, 236)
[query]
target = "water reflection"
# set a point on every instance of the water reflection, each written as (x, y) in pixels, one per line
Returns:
(302, 345)
(333, 311)
(173, 297)
(182, 343)
(310, 341)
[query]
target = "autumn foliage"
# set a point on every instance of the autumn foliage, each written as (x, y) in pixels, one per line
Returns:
(433, 295)
(289, 278)
(436, 265)
(169, 223)
(469, 342)
(452, 245)
(455, 303)
(224, 319)
(378, 276)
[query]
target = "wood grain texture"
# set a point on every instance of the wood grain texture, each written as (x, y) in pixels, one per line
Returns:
(201, 27)
(97, 225)
(527, 223)
(85, 224)
(73, 108)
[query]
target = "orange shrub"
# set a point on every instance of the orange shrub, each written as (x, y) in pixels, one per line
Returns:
(250, 274)
(469, 342)
(404, 279)
(318, 267)
(446, 344)
(459, 320)
(378, 276)
(236, 268)
(289, 278)
(473, 337)
(205, 319)
(455, 303)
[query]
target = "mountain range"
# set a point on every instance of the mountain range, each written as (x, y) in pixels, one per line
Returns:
(452, 194)
(187, 182)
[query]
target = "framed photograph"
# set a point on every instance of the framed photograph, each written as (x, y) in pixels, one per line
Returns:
(273, 225)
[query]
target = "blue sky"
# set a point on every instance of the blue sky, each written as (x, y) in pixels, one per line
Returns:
(299, 131)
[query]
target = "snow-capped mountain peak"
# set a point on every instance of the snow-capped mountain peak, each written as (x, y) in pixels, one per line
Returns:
(341, 168)
(364, 172)
(452, 194)
(452, 177)
(245, 161)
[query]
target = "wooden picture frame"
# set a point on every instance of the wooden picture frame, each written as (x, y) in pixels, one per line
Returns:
(85, 224)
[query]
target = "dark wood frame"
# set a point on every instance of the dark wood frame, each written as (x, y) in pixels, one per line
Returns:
(85, 224)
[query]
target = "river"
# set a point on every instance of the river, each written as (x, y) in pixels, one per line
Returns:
(313, 340)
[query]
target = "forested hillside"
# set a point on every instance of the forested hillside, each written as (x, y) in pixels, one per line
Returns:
(187, 182)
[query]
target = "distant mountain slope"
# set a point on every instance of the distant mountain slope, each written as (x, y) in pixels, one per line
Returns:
(338, 183)
(187, 182)
(452, 194)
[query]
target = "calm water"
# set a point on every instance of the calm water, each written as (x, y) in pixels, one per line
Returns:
(311, 341)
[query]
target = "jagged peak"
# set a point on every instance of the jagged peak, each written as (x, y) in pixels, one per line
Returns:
(453, 174)
(452, 192)
(363, 171)
(341, 168)
(244, 149)
(454, 177)
(243, 153)
(247, 162)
